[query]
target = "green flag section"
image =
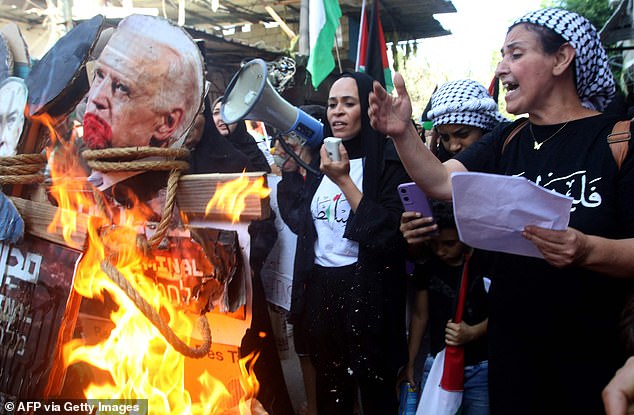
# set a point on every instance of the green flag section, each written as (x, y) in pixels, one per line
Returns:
(323, 22)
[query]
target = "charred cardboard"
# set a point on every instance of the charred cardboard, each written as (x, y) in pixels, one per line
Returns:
(37, 315)
(58, 81)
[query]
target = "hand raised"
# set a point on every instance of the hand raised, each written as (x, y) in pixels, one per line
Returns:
(390, 114)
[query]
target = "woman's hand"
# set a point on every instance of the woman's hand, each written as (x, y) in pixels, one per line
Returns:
(389, 114)
(406, 375)
(337, 171)
(618, 395)
(289, 164)
(559, 248)
(416, 229)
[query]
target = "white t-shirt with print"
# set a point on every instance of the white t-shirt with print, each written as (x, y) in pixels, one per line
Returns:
(330, 210)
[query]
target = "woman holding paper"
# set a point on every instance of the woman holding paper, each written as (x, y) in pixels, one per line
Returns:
(553, 322)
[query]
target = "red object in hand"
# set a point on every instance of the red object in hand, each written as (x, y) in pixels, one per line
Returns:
(97, 132)
(453, 370)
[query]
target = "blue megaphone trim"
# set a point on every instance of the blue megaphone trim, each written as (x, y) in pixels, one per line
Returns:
(309, 128)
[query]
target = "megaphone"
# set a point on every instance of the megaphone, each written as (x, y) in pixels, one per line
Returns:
(250, 96)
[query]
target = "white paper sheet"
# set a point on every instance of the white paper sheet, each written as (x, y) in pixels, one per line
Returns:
(277, 270)
(492, 210)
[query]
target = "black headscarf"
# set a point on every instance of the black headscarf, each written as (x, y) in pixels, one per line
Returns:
(234, 153)
(369, 143)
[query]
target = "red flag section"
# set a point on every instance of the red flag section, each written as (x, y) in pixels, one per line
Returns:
(494, 88)
(372, 53)
(443, 389)
(453, 369)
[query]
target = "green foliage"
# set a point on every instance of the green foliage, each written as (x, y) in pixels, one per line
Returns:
(597, 11)
(420, 79)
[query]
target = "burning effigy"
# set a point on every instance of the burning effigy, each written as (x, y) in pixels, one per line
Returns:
(121, 273)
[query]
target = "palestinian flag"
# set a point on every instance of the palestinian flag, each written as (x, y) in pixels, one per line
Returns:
(322, 26)
(371, 52)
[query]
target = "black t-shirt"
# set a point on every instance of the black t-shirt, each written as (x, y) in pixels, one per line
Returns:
(443, 283)
(553, 331)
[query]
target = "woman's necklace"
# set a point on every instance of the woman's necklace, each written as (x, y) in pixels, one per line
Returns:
(537, 145)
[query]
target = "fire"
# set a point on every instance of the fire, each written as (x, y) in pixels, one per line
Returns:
(63, 170)
(231, 197)
(140, 363)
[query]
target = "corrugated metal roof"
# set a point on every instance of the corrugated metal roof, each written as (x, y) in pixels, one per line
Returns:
(402, 19)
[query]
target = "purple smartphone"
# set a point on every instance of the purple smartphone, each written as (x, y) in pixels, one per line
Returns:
(413, 199)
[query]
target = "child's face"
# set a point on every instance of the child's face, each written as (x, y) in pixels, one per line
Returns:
(448, 248)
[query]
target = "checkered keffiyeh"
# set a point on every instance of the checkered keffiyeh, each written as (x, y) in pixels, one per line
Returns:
(464, 102)
(595, 83)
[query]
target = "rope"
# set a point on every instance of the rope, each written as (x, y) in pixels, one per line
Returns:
(131, 162)
(127, 160)
(145, 165)
(154, 317)
(170, 202)
(134, 153)
(22, 169)
(22, 179)
(22, 159)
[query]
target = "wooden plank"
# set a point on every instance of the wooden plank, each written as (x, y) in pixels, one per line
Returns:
(196, 190)
(193, 194)
(37, 217)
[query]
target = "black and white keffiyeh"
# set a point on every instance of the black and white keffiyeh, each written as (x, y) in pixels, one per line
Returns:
(595, 83)
(464, 102)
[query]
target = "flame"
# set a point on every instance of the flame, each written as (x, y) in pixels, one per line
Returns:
(248, 381)
(231, 196)
(141, 364)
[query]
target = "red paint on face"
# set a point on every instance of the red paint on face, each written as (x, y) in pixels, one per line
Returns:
(97, 132)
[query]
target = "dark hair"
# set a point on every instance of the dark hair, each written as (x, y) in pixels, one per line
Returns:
(369, 143)
(551, 41)
(443, 214)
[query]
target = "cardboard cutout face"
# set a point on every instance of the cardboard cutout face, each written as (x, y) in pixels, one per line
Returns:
(13, 96)
(147, 86)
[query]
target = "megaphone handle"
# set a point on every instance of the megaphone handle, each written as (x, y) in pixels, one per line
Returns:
(296, 156)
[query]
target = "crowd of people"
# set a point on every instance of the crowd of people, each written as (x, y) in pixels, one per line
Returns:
(541, 335)
(553, 324)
